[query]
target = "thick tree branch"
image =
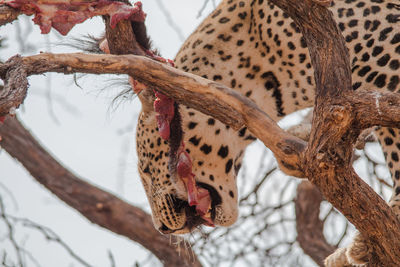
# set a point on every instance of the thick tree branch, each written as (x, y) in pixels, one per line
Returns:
(335, 128)
(209, 97)
(96, 205)
(13, 93)
(376, 108)
(308, 225)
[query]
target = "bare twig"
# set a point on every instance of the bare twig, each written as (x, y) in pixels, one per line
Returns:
(50, 235)
(112, 260)
(170, 21)
(11, 237)
(205, 2)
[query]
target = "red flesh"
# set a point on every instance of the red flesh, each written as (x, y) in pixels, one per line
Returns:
(204, 206)
(63, 16)
(164, 107)
(184, 168)
(2, 118)
(160, 59)
(197, 196)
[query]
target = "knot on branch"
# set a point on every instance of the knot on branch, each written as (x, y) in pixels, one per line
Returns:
(320, 157)
(13, 93)
(340, 114)
(10, 65)
(102, 207)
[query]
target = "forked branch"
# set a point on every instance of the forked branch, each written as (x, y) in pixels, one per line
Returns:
(335, 128)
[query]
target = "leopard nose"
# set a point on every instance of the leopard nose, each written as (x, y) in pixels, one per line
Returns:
(165, 230)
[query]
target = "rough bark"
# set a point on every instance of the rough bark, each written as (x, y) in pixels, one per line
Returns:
(98, 206)
(308, 225)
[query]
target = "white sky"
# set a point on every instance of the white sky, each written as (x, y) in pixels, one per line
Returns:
(86, 141)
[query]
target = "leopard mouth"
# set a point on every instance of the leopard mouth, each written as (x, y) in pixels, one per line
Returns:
(193, 218)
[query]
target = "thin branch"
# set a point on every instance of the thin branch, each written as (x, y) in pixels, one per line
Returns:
(327, 159)
(50, 235)
(11, 236)
(111, 257)
(205, 2)
(10, 194)
(170, 21)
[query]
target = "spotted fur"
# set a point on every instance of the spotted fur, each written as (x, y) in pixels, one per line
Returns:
(256, 49)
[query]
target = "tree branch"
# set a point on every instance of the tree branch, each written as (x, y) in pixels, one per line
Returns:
(308, 225)
(13, 93)
(96, 205)
(374, 108)
(209, 97)
(335, 129)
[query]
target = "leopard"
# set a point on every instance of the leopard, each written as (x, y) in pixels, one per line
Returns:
(256, 49)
